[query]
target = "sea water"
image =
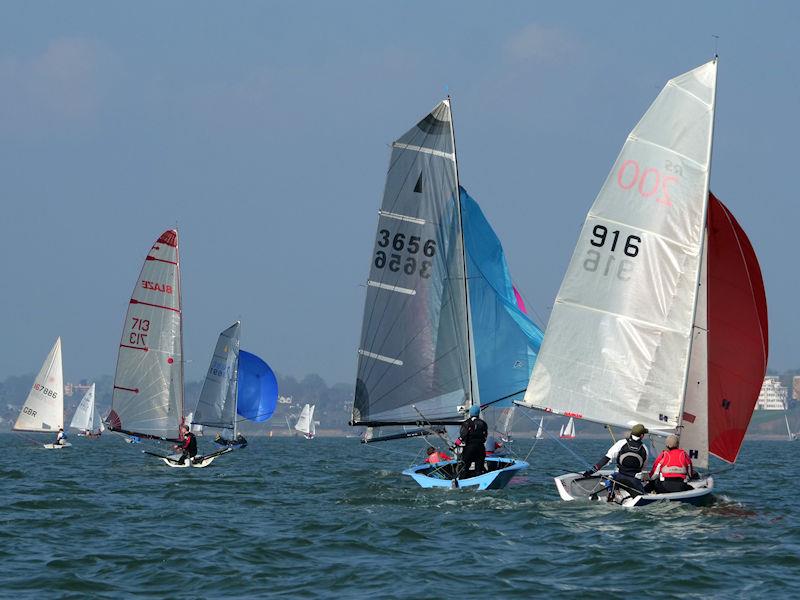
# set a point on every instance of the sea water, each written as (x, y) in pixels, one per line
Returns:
(332, 518)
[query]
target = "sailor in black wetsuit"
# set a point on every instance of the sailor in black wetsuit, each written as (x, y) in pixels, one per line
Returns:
(473, 438)
(630, 455)
(189, 445)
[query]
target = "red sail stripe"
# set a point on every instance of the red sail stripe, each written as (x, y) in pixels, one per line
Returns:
(135, 301)
(738, 332)
(169, 262)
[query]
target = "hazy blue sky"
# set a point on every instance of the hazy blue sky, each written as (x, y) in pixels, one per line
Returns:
(262, 129)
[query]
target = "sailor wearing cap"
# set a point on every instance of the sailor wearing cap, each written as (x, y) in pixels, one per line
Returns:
(630, 455)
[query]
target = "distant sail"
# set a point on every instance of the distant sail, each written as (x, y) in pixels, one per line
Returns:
(505, 339)
(305, 422)
(540, 430)
(258, 388)
(44, 407)
(148, 384)
(216, 407)
(85, 417)
(414, 347)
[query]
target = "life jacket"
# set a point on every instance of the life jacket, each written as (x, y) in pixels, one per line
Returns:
(631, 457)
(672, 464)
(190, 444)
(436, 457)
(474, 431)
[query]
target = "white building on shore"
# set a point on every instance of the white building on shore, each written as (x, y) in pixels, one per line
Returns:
(773, 395)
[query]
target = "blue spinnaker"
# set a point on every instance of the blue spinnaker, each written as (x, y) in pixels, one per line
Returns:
(258, 388)
(505, 340)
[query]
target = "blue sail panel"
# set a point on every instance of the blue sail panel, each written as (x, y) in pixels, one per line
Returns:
(258, 388)
(505, 339)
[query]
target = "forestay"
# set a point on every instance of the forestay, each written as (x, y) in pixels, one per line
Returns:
(148, 384)
(44, 407)
(85, 418)
(414, 347)
(216, 407)
(617, 344)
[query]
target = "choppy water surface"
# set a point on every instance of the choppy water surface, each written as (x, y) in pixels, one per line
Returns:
(332, 518)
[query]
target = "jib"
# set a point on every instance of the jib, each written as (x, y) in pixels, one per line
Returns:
(164, 288)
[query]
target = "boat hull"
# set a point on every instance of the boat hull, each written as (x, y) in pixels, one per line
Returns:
(57, 446)
(574, 486)
(502, 470)
(198, 462)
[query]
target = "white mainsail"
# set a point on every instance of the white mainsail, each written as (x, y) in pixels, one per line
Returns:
(540, 430)
(85, 417)
(617, 346)
(148, 384)
(44, 407)
(568, 431)
(305, 422)
(216, 407)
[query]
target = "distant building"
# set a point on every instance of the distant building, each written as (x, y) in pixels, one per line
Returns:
(284, 399)
(796, 387)
(773, 395)
(70, 389)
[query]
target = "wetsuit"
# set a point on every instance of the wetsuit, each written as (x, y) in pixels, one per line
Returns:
(473, 434)
(189, 447)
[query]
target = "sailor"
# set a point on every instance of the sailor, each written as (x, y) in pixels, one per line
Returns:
(472, 437)
(240, 439)
(434, 456)
(189, 445)
(61, 438)
(672, 469)
(630, 455)
(494, 448)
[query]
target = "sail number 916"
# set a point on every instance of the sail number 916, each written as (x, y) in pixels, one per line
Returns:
(413, 246)
(622, 268)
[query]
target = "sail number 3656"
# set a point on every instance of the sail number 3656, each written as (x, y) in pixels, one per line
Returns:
(601, 238)
(415, 249)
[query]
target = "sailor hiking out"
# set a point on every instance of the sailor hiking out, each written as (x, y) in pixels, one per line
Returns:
(472, 437)
(630, 455)
(189, 445)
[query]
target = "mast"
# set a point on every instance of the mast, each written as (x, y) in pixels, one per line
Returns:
(235, 383)
(470, 350)
(704, 220)
(179, 402)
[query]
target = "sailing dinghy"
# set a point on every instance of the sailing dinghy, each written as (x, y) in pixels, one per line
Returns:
(540, 430)
(86, 419)
(661, 318)
(568, 430)
(305, 422)
(433, 343)
(147, 402)
(237, 384)
(43, 411)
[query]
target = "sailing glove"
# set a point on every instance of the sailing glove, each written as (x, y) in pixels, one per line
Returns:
(588, 473)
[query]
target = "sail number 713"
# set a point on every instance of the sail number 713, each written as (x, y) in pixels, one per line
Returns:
(613, 241)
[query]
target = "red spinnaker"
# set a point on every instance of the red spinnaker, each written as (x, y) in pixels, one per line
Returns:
(737, 332)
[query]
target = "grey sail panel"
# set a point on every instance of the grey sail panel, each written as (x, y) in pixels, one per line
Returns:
(216, 408)
(414, 346)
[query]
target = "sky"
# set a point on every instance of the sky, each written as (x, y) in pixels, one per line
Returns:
(262, 130)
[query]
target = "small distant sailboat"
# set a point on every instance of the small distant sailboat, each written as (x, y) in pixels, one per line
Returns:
(237, 384)
(43, 411)
(792, 436)
(86, 419)
(540, 430)
(305, 422)
(568, 430)
(442, 329)
(147, 402)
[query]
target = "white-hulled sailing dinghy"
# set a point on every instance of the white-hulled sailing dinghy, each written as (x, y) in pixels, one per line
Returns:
(305, 422)
(86, 418)
(43, 411)
(147, 402)
(423, 361)
(661, 318)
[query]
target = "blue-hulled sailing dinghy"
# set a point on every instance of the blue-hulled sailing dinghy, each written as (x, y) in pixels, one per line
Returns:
(434, 342)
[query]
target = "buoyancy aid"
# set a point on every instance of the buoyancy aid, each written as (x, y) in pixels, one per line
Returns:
(672, 464)
(436, 457)
(631, 457)
(474, 431)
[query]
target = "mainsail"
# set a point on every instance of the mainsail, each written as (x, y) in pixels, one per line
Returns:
(216, 407)
(415, 348)
(148, 384)
(85, 417)
(617, 345)
(44, 407)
